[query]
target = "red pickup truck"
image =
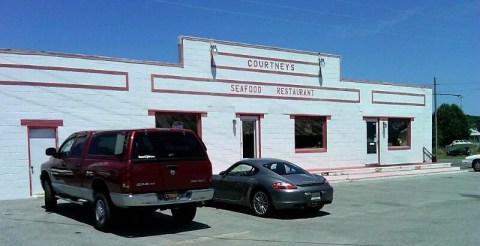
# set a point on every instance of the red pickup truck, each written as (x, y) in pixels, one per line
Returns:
(140, 169)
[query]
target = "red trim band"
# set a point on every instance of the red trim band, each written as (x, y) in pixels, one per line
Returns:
(41, 123)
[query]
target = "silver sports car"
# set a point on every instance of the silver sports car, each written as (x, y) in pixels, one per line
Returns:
(266, 184)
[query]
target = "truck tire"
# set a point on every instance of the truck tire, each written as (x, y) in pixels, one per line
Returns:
(50, 200)
(102, 209)
(184, 214)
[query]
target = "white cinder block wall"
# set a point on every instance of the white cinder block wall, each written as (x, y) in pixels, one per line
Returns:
(89, 92)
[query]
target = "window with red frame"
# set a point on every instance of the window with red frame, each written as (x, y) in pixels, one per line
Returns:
(398, 132)
(309, 132)
(182, 121)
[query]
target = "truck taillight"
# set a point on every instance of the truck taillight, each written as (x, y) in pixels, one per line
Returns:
(126, 178)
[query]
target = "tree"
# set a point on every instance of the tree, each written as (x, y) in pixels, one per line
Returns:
(452, 124)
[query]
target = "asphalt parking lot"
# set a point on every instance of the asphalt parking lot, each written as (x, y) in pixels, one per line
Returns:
(439, 209)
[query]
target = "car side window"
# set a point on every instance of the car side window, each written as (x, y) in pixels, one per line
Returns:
(107, 144)
(77, 147)
(242, 170)
(66, 147)
(284, 168)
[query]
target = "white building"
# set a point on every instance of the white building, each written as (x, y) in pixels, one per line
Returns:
(243, 100)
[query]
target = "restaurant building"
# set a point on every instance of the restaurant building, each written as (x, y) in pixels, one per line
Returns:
(243, 100)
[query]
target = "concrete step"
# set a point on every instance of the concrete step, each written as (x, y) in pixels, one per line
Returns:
(339, 175)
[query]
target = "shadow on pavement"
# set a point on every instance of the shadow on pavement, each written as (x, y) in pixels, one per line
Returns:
(291, 214)
(131, 224)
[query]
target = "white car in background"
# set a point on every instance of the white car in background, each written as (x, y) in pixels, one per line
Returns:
(472, 161)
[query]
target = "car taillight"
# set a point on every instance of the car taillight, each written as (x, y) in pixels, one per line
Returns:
(283, 186)
(326, 182)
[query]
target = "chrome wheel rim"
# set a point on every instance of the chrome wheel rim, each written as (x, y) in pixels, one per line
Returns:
(100, 211)
(260, 203)
(476, 165)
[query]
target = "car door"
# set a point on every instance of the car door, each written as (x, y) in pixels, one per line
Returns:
(65, 170)
(234, 184)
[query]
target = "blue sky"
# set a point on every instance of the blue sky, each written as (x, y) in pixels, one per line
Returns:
(406, 41)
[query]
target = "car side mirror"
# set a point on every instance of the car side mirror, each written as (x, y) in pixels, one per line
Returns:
(223, 173)
(51, 152)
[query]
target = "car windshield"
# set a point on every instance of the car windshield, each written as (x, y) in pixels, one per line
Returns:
(284, 168)
(148, 146)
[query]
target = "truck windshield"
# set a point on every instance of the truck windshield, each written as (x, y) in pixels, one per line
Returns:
(150, 146)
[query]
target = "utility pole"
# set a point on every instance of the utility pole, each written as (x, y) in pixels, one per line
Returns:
(434, 159)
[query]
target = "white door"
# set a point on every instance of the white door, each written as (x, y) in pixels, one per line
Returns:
(372, 141)
(39, 139)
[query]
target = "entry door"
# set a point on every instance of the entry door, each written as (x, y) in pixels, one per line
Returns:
(249, 136)
(39, 140)
(372, 141)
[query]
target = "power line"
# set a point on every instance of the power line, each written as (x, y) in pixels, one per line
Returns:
(393, 9)
(466, 83)
(352, 17)
(306, 22)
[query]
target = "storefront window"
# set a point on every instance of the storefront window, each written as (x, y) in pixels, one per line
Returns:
(310, 133)
(398, 133)
(181, 121)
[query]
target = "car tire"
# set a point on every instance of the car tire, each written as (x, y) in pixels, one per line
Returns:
(50, 199)
(261, 204)
(476, 165)
(184, 214)
(102, 211)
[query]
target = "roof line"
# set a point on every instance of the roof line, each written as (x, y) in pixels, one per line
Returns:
(265, 47)
(384, 83)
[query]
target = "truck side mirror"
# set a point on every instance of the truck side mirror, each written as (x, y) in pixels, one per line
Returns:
(51, 152)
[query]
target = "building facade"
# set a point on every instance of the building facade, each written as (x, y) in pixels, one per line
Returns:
(243, 100)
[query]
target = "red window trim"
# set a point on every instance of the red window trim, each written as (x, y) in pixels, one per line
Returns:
(398, 147)
(327, 117)
(324, 135)
(153, 112)
(409, 134)
(385, 118)
(259, 115)
(33, 123)
(311, 150)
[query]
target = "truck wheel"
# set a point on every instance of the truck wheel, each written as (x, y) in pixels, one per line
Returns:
(476, 165)
(50, 200)
(184, 214)
(103, 212)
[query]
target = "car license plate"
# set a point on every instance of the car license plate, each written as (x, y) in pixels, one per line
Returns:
(170, 195)
(316, 196)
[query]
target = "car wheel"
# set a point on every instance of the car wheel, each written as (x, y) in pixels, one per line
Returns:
(261, 204)
(103, 212)
(50, 200)
(313, 209)
(184, 214)
(476, 165)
